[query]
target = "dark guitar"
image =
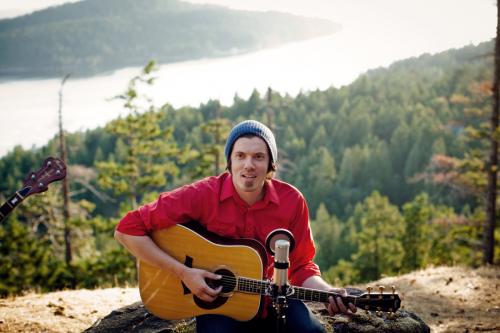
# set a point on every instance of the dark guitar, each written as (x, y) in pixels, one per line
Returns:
(35, 182)
(241, 264)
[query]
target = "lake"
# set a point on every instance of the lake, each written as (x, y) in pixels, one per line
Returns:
(28, 107)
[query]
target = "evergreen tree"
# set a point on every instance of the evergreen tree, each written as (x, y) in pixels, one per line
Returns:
(25, 260)
(148, 152)
(417, 242)
(327, 232)
(377, 230)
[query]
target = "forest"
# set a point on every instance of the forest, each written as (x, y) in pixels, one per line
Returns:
(392, 167)
(95, 36)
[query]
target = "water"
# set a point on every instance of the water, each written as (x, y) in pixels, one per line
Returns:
(28, 108)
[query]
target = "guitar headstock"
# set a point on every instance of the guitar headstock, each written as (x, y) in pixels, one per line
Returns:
(53, 169)
(379, 301)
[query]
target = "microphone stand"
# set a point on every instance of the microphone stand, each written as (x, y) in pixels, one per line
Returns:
(280, 286)
(280, 305)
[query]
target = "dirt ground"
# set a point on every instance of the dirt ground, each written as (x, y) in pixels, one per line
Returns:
(448, 299)
(452, 299)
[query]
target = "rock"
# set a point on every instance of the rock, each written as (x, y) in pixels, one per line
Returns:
(135, 318)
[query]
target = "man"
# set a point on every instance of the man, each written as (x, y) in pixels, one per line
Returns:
(242, 203)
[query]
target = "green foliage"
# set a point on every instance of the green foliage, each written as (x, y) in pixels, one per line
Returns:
(417, 242)
(211, 160)
(456, 239)
(377, 229)
(327, 232)
(146, 152)
(344, 273)
(24, 258)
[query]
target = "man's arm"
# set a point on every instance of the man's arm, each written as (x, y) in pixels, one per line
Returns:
(335, 305)
(143, 248)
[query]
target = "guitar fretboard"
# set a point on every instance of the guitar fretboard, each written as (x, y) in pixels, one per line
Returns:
(13, 201)
(303, 294)
(252, 286)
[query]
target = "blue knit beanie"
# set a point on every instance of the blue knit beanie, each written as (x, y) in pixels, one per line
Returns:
(252, 127)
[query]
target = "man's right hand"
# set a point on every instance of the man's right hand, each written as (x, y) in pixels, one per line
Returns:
(194, 279)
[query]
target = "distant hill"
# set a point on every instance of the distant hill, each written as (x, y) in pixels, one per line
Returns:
(92, 36)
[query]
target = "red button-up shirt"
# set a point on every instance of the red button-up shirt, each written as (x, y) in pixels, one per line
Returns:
(215, 204)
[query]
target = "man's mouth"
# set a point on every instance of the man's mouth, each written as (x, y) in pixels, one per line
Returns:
(249, 176)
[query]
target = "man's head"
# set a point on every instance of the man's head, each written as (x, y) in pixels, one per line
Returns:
(248, 129)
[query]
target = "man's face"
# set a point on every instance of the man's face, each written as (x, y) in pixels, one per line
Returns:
(249, 163)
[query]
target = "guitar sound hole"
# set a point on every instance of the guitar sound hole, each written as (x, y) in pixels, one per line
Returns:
(228, 283)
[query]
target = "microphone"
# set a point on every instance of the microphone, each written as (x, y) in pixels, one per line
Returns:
(281, 264)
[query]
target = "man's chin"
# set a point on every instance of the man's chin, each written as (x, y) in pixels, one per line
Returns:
(249, 186)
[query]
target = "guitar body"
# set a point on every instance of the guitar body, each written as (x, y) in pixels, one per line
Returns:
(165, 295)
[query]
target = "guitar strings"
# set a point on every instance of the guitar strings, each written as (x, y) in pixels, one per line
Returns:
(260, 286)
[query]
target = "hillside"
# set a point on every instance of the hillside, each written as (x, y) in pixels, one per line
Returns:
(448, 299)
(99, 35)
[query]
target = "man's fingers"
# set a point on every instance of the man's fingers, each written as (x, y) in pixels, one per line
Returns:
(336, 305)
(212, 292)
(332, 307)
(212, 276)
(341, 305)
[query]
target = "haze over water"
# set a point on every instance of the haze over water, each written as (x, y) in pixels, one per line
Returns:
(28, 108)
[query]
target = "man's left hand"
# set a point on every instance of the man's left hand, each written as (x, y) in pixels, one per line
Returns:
(336, 305)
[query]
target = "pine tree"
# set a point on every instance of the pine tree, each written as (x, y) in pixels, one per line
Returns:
(149, 151)
(327, 232)
(417, 216)
(377, 229)
(24, 258)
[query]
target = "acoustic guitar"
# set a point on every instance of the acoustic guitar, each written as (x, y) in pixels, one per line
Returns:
(240, 262)
(35, 182)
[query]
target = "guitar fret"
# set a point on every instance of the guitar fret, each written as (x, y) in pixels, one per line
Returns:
(251, 286)
(309, 295)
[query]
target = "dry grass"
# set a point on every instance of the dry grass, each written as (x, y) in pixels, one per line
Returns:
(448, 299)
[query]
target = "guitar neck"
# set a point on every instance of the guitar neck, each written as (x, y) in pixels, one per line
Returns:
(303, 294)
(13, 201)
(388, 302)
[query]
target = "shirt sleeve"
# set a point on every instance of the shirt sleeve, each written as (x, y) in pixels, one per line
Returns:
(178, 206)
(301, 258)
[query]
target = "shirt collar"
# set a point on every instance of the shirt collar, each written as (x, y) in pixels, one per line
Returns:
(228, 191)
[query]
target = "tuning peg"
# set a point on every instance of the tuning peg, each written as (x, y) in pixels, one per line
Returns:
(392, 315)
(49, 163)
(369, 289)
(58, 172)
(381, 288)
(393, 289)
(33, 177)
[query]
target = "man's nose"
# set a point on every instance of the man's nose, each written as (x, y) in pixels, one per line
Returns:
(248, 163)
